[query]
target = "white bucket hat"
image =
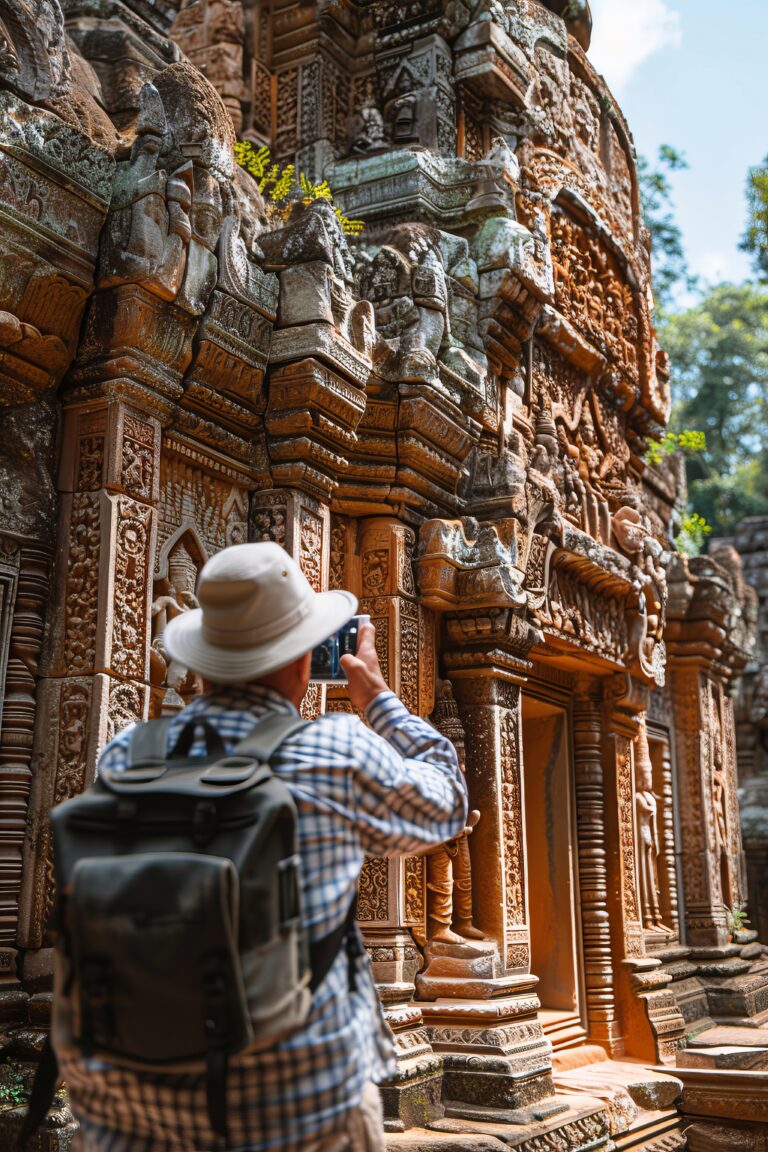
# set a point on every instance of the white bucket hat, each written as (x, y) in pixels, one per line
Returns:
(257, 613)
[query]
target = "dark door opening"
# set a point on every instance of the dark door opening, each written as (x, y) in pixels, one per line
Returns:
(551, 855)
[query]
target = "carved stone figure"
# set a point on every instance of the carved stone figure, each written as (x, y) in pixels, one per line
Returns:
(149, 231)
(367, 131)
(647, 835)
(177, 595)
(315, 265)
(449, 867)
(449, 889)
(406, 283)
(498, 179)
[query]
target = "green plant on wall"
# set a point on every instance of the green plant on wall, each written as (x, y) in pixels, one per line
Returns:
(687, 441)
(12, 1087)
(283, 187)
(737, 919)
(693, 534)
(694, 529)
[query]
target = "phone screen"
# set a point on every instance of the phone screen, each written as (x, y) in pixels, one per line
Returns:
(326, 657)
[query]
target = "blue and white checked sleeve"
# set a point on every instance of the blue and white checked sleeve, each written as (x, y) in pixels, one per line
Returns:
(409, 790)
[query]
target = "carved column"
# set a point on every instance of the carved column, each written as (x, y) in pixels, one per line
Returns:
(301, 524)
(593, 873)
(705, 916)
(667, 864)
(97, 677)
(391, 903)
(24, 584)
(648, 1023)
(482, 1014)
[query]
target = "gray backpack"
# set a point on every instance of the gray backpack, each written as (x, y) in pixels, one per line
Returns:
(177, 918)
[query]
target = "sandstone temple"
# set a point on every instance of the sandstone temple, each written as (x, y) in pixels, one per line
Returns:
(437, 390)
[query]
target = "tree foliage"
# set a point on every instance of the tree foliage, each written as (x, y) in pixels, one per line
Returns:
(670, 267)
(718, 350)
(719, 354)
(755, 239)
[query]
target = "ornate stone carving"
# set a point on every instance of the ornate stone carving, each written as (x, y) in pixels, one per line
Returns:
(372, 889)
(463, 393)
(211, 33)
(74, 707)
(648, 836)
(148, 234)
(593, 876)
(132, 575)
(82, 583)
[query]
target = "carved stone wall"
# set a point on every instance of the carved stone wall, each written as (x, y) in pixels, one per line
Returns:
(751, 715)
(446, 413)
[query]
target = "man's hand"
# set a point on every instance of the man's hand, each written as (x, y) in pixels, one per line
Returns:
(363, 671)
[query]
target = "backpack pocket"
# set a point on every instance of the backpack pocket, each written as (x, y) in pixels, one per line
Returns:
(153, 941)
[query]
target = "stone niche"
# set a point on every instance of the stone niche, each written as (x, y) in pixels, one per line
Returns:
(447, 413)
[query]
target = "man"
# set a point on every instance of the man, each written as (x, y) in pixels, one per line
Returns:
(392, 788)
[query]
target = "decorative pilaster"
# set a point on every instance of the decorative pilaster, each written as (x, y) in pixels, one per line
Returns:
(97, 678)
(391, 903)
(24, 586)
(593, 872)
(483, 1020)
(667, 865)
(648, 1021)
(300, 523)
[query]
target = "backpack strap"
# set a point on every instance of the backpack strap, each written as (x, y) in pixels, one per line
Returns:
(269, 734)
(323, 952)
(216, 1091)
(263, 742)
(149, 741)
(42, 1095)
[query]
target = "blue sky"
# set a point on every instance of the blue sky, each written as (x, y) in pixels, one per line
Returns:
(692, 73)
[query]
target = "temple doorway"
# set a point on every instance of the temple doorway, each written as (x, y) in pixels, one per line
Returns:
(552, 870)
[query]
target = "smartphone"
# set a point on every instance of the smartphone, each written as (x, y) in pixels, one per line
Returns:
(326, 658)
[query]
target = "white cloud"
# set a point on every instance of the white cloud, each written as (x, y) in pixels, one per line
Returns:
(713, 266)
(627, 32)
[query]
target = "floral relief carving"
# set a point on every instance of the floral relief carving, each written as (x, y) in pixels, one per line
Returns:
(126, 706)
(413, 873)
(373, 891)
(74, 708)
(132, 572)
(311, 547)
(514, 863)
(82, 582)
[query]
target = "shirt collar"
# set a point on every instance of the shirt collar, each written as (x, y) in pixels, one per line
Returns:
(236, 697)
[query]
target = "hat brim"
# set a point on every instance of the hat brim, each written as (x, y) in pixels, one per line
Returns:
(184, 641)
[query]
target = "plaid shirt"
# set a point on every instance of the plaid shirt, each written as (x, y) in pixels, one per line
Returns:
(394, 790)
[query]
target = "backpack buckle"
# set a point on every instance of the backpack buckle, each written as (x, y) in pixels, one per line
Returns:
(231, 770)
(204, 821)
